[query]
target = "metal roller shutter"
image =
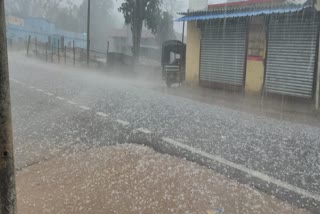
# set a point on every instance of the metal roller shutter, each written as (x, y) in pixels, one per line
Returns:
(292, 44)
(223, 50)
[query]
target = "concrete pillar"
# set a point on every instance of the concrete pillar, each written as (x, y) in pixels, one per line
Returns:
(255, 68)
(193, 53)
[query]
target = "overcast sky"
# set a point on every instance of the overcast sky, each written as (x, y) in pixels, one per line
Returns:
(182, 7)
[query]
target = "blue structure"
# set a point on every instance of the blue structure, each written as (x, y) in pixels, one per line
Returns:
(44, 31)
(195, 16)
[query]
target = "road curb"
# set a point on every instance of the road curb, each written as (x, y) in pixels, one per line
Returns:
(158, 144)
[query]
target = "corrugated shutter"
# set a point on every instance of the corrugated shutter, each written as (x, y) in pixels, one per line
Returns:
(223, 50)
(291, 56)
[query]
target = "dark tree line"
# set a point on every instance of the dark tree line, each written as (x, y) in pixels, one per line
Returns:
(148, 13)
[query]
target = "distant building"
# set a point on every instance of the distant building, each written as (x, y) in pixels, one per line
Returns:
(121, 42)
(41, 29)
(13, 20)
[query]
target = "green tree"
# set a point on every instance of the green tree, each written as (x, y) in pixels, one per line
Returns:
(139, 12)
(165, 28)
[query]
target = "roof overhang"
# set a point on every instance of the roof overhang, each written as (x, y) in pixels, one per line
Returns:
(240, 3)
(207, 15)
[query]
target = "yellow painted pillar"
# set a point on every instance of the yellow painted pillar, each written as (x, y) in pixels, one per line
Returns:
(193, 54)
(256, 56)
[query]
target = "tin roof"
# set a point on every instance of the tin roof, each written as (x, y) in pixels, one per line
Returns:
(241, 13)
(247, 9)
(256, 4)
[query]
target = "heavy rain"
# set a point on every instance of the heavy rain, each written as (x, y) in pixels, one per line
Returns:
(160, 106)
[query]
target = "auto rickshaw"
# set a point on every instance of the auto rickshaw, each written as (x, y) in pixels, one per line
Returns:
(173, 62)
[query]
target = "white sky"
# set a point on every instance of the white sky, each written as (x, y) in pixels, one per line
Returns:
(183, 6)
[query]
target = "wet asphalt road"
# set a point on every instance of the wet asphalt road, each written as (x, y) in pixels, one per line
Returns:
(73, 108)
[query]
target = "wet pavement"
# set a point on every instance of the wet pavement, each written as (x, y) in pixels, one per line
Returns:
(56, 108)
(130, 178)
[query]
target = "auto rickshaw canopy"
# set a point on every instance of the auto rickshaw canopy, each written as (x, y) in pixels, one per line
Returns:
(175, 47)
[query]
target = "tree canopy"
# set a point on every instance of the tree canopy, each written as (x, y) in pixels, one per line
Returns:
(138, 13)
(165, 28)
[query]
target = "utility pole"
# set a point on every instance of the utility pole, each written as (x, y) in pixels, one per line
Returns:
(318, 83)
(88, 33)
(74, 53)
(7, 175)
(28, 44)
(58, 51)
(183, 27)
